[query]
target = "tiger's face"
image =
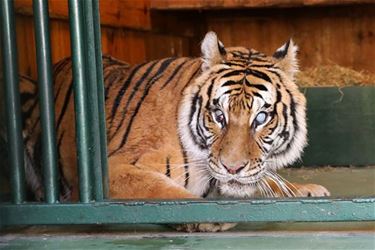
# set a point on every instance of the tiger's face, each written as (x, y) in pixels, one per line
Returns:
(245, 115)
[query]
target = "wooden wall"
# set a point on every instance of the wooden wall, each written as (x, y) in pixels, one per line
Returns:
(138, 30)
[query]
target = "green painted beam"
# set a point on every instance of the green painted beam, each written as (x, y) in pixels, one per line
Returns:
(190, 211)
(341, 125)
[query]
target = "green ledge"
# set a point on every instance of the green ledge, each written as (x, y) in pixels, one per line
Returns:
(187, 211)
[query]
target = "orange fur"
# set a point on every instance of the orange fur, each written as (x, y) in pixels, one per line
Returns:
(146, 155)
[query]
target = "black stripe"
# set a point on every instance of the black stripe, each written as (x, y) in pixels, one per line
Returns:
(147, 88)
(197, 71)
(60, 140)
(186, 167)
(122, 91)
(27, 114)
(65, 105)
(209, 89)
(168, 168)
(276, 74)
(259, 74)
(266, 65)
(260, 59)
(161, 69)
(260, 147)
(222, 70)
(173, 74)
(232, 63)
(258, 95)
(210, 186)
(266, 142)
(199, 128)
(278, 96)
(60, 65)
(195, 101)
(257, 86)
(126, 134)
(58, 92)
(109, 80)
(293, 111)
(285, 114)
(209, 92)
(231, 90)
(230, 83)
(275, 116)
(233, 73)
(26, 96)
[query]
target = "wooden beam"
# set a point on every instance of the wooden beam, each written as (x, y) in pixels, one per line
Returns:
(117, 13)
(231, 4)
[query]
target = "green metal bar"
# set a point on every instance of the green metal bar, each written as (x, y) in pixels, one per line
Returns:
(47, 113)
(80, 99)
(12, 101)
(101, 101)
(92, 91)
(308, 210)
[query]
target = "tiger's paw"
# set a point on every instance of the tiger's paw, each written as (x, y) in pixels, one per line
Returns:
(312, 190)
(204, 227)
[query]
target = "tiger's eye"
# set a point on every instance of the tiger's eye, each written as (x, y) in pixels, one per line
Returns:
(219, 116)
(261, 118)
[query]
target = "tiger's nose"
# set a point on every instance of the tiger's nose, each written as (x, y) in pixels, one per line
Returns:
(233, 169)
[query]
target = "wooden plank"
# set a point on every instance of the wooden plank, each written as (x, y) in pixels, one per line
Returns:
(341, 125)
(315, 30)
(117, 13)
(230, 4)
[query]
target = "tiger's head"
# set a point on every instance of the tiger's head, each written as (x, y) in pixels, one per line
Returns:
(244, 115)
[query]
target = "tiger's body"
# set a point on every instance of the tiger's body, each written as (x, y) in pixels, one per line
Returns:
(188, 127)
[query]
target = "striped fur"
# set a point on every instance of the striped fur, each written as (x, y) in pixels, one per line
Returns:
(185, 127)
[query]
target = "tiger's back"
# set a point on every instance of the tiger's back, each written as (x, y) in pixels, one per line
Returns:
(138, 100)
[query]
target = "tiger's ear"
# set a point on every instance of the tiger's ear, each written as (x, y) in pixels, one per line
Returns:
(213, 50)
(286, 56)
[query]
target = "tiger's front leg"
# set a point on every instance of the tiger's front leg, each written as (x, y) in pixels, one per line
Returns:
(130, 182)
(288, 189)
(310, 190)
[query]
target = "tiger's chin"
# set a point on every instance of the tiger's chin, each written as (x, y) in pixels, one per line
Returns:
(235, 189)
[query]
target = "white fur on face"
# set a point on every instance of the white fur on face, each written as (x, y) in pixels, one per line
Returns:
(230, 185)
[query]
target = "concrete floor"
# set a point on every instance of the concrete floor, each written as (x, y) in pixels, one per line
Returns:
(342, 182)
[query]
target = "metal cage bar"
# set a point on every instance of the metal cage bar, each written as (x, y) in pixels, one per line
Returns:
(80, 99)
(12, 102)
(92, 91)
(101, 101)
(46, 97)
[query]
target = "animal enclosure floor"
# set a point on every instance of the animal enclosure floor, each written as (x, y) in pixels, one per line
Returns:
(342, 182)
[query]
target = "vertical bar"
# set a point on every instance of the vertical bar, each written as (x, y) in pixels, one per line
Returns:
(101, 102)
(92, 91)
(45, 81)
(12, 101)
(80, 99)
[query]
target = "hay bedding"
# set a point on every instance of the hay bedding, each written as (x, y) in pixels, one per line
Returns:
(334, 75)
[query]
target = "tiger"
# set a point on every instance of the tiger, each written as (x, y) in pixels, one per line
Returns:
(219, 125)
